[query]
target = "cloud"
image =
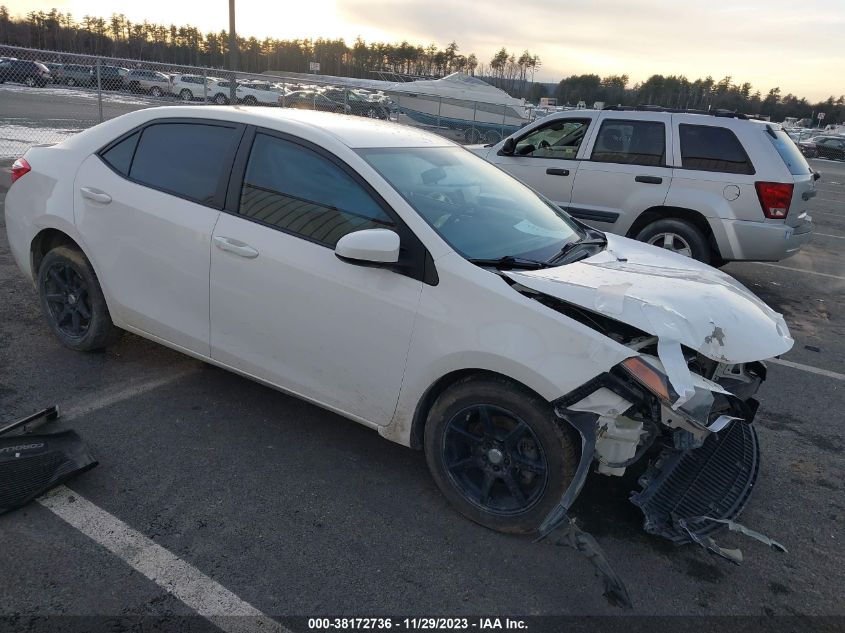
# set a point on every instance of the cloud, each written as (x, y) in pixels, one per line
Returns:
(769, 43)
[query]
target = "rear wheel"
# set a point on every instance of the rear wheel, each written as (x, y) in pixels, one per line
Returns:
(496, 452)
(73, 302)
(71, 82)
(250, 100)
(156, 91)
(186, 95)
(220, 99)
(30, 81)
(678, 236)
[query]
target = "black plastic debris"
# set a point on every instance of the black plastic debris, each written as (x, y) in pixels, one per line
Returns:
(31, 464)
(688, 494)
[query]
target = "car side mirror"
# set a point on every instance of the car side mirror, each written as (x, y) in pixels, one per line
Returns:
(370, 246)
(508, 148)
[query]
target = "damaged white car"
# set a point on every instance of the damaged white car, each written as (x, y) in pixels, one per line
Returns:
(393, 277)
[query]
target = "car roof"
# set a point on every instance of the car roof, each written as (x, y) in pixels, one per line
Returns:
(352, 131)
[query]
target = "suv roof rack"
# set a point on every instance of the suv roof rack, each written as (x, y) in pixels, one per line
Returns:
(731, 114)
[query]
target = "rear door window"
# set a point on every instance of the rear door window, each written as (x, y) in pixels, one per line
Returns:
(297, 190)
(119, 156)
(631, 143)
(185, 159)
(712, 148)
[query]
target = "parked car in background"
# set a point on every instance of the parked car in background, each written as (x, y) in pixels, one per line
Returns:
(358, 105)
(24, 72)
(149, 81)
(190, 87)
(53, 67)
(715, 188)
(390, 276)
(111, 77)
(74, 75)
(258, 93)
(313, 100)
(824, 146)
(219, 91)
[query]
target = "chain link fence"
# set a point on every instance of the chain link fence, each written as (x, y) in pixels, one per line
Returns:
(46, 96)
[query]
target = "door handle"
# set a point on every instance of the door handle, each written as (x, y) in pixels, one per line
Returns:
(649, 180)
(236, 247)
(554, 171)
(95, 194)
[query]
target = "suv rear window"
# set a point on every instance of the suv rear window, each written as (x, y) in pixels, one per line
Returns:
(185, 159)
(789, 152)
(712, 148)
(631, 143)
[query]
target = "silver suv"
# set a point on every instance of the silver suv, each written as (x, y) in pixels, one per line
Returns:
(151, 81)
(710, 186)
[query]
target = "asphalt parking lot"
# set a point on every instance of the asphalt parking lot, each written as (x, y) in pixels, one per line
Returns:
(298, 512)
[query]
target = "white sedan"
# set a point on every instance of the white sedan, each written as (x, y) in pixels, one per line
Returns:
(393, 277)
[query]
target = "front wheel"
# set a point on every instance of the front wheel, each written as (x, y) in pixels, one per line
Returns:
(73, 302)
(156, 92)
(679, 236)
(220, 99)
(497, 453)
(186, 95)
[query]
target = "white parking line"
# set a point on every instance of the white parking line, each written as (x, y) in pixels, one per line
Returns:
(838, 237)
(797, 270)
(807, 368)
(109, 398)
(187, 583)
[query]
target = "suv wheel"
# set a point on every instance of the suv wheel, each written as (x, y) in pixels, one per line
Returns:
(679, 236)
(73, 302)
(497, 454)
(220, 99)
(186, 95)
(156, 91)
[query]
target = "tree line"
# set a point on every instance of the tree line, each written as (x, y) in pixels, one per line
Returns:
(117, 36)
(702, 94)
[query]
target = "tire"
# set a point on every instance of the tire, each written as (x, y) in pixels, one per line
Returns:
(71, 82)
(30, 81)
(523, 447)
(186, 95)
(156, 92)
(250, 100)
(674, 233)
(220, 99)
(67, 285)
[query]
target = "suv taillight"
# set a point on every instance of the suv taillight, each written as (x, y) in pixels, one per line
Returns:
(775, 198)
(19, 168)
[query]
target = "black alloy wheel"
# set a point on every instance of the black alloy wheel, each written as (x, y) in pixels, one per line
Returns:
(494, 459)
(73, 302)
(67, 298)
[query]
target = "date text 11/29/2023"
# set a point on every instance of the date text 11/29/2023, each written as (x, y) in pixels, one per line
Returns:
(417, 624)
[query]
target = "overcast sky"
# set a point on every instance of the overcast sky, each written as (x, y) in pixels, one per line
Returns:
(796, 45)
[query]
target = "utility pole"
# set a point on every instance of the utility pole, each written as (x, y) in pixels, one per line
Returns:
(233, 54)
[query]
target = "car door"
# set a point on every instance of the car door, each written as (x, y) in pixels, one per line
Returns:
(626, 171)
(284, 307)
(546, 157)
(145, 207)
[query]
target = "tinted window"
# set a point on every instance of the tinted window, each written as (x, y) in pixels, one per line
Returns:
(789, 152)
(293, 188)
(631, 142)
(558, 139)
(120, 155)
(186, 159)
(711, 148)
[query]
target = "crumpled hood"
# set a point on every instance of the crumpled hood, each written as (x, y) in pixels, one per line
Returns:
(673, 297)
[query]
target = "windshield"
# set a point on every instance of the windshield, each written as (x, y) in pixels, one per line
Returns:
(481, 212)
(790, 153)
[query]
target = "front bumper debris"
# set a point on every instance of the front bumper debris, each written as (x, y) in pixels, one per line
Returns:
(714, 480)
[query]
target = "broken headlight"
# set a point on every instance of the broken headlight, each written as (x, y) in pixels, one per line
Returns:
(708, 408)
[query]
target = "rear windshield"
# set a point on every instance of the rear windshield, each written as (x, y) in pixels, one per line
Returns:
(789, 152)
